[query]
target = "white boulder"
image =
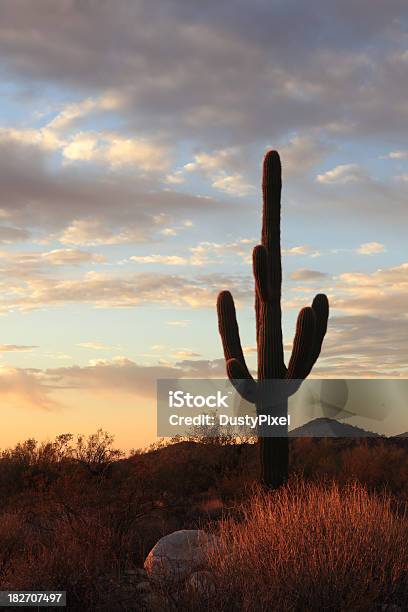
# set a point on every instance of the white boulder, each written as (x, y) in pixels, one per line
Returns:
(179, 554)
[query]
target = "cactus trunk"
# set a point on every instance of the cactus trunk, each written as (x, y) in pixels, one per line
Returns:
(274, 461)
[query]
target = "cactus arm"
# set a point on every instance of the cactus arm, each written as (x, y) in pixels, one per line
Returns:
(302, 344)
(260, 268)
(320, 306)
(231, 342)
(310, 331)
(242, 380)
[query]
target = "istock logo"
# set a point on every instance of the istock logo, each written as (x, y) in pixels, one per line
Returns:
(180, 399)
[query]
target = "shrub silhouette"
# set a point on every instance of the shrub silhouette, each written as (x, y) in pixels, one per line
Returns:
(310, 330)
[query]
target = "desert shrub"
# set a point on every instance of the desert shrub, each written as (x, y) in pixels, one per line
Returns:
(311, 547)
(380, 466)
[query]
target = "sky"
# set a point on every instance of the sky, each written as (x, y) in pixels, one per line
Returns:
(131, 142)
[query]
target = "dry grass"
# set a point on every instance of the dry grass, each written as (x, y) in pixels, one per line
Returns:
(312, 547)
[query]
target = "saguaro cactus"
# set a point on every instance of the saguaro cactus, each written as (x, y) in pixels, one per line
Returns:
(310, 329)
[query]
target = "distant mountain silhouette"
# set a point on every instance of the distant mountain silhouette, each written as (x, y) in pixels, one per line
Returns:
(330, 428)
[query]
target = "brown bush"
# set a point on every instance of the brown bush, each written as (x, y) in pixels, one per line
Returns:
(312, 547)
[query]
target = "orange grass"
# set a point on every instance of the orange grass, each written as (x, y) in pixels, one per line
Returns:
(312, 547)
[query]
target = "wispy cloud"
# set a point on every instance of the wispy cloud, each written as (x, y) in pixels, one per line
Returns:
(97, 346)
(302, 153)
(343, 174)
(222, 167)
(371, 248)
(104, 290)
(16, 348)
(304, 274)
(396, 155)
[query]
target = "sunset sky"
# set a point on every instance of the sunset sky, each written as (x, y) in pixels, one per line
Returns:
(131, 141)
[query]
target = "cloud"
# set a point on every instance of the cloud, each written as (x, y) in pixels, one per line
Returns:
(9, 235)
(116, 151)
(216, 161)
(102, 290)
(396, 155)
(345, 173)
(367, 332)
(125, 376)
(167, 260)
(94, 232)
(364, 345)
(63, 257)
(395, 276)
(102, 375)
(70, 113)
(363, 198)
(215, 74)
(82, 146)
(381, 293)
(78, 207)
(177, 178)
(303, 249)
(233, 184)
(169, 231)
(301, 154)
(179, 323)
(30, 263)
(220, 167)
(371, 248)
(21, 388)
(43, 138)
(106, 147)
(16, 348)
(97, 346)
(307, 275)
(211, 85)
(202, 368)
(211, 252)
(42, 389)
(184, 354)
(207, 253)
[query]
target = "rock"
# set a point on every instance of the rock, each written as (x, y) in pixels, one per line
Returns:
(202, 583)
(178, 554)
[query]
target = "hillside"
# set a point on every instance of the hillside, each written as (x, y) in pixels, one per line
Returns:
(330, 428)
